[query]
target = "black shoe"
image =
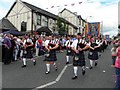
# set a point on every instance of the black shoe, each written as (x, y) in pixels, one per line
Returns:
(47, 72)
(23, 66)
(34, 63)
(91, 67)
(67, 62)
(56, 68)
(83, 72)
(75, 77)
(95, 63)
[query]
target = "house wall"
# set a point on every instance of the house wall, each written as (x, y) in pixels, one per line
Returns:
(20, 13)
(73, 19)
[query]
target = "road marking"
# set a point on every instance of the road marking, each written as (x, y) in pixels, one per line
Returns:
(69, 64)
(45, 85)
(62, 72)
(57, 79)
(60, 75)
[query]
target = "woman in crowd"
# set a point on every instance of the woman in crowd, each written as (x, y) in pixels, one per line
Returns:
(113, 54)
(117, 66)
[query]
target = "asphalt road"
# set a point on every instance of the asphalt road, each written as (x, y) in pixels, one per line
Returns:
(13, 76)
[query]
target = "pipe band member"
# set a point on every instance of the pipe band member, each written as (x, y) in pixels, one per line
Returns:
(50, 56)
(78, 46)
(93, 53)
(69, 50)
(27, 53)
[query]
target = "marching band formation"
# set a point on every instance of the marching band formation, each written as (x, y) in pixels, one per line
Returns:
(23, 48)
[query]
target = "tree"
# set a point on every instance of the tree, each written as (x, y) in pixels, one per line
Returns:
(59, 22)
(61, 26)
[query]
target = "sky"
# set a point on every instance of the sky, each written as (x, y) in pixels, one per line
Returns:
(104, 11)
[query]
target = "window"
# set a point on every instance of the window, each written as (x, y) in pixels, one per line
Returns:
(38, 19)
(82, 23)
(51, 21)
(45, 21)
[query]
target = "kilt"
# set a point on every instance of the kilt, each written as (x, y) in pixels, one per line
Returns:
(27, 53)
(99, 49)
(69, 52)
(80, 61)
(52, 56)
(93, 55)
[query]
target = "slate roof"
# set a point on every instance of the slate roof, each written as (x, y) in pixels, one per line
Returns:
(6, 24)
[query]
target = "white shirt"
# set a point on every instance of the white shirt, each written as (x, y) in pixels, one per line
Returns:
(75, 42)
(47, 42)
(28, 40)
(68, 43)
(43, 43)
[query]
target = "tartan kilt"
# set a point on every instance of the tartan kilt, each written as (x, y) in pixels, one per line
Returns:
(52, 56)
(99, 49)
(93, 55)
(69, 52)
(80, 61)
(27, 53)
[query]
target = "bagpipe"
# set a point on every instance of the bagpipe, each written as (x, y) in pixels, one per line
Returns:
(47, 53)
(93, 45)
(29, 43)
(81, 45)
(51, 45)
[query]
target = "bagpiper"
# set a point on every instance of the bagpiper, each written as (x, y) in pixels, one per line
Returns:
(27, 52)
(50, 55)
(78, 46)
(93, 53)
(68, 48)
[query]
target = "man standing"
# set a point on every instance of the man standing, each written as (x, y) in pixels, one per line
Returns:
(7, 44)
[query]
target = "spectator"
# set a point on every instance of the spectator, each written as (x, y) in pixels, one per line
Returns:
(117, 66)
(113, 54)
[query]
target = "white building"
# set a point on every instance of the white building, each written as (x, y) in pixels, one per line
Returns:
(26, 17)
(74, 19)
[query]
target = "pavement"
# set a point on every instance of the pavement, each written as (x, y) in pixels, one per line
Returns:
(34, 77)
